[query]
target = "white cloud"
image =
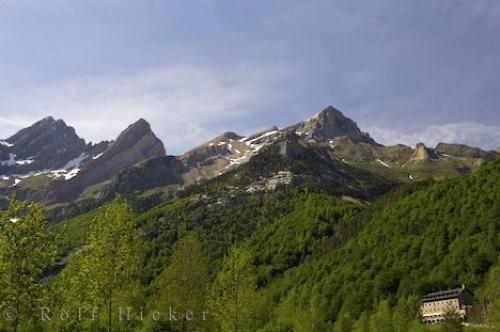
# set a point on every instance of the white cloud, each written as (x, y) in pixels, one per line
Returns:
(182, 103)
(470, 133)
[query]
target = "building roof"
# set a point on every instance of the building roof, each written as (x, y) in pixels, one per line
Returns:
(444, 295)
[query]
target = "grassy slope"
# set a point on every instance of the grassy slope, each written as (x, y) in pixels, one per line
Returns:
(421, 170)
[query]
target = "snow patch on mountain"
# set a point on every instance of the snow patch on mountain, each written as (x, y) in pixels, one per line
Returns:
(7, 144)
(237, 161)
(75, 163)
(383, 163)
(251, 141)
(97, 156)
(25, 161)
(71, 174)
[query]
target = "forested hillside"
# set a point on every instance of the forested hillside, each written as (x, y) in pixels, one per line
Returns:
(439, 237)
(294, 259)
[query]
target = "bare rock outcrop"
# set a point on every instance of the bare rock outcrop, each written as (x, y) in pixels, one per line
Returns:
(423, 153)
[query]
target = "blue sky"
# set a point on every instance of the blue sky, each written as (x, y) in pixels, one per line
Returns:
(406, 71)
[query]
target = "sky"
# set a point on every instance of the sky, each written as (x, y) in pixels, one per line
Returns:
(405, 71)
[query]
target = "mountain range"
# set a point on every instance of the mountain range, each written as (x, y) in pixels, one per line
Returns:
(340, 231)
(48, 162)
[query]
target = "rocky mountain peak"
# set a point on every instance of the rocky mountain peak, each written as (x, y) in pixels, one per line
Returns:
(137, 143)
(47, 119)
(139, 136)
(138, 128)
(45, 124)
(329, 111)
(46, 144)
(331, 123)
(423, 153)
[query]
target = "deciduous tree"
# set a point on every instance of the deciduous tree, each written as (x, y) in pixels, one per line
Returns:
(233, 293)
(112, 256)
(26, 250)
(183, 285)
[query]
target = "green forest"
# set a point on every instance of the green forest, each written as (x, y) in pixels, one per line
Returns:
(303, 258)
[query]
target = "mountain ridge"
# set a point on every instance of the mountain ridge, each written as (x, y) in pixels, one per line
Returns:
(88, 164)
(96, 171)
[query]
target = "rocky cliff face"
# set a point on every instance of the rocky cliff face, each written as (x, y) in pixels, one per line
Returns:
(422, 153)
(290, 146)
(135, 144)
(155, 172)
(329, 124)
